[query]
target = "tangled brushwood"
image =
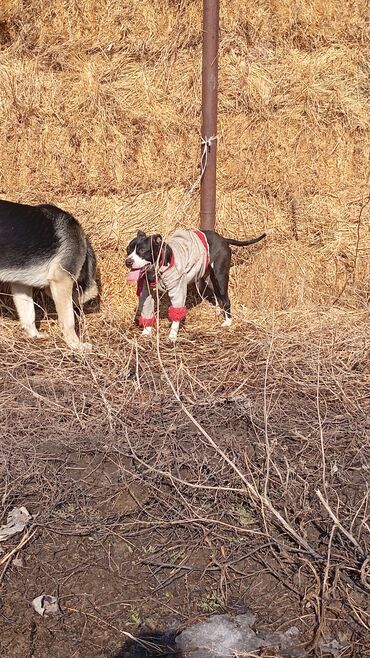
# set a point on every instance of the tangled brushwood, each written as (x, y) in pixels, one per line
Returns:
(231, 471)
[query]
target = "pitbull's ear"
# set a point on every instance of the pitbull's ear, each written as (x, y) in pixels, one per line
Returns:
(157, 239)
(131, 246)
(141, 234)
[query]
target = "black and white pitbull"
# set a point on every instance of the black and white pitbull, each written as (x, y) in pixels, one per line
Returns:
(200, 257)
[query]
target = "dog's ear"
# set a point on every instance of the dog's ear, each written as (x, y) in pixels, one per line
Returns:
(131, 246)
(157, 240)
(141, 234)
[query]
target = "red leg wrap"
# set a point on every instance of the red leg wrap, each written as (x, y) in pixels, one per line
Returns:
(176, 314)
(146, 322)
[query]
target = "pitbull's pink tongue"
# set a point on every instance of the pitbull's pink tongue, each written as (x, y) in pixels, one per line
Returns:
(133, 275)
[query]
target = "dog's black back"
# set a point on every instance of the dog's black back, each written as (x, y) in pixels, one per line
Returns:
(26, 234)
(32, 235)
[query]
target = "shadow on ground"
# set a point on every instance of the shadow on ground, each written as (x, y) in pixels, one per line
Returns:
(150, 645)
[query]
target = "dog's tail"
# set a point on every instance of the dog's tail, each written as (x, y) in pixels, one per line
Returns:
(244, 243)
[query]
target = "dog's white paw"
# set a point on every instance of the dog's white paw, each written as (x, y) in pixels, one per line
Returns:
(147, 331)
(227, 322)
(41, 335)
(175, 326)
(32, 332)
(85, 347)
(218, 310)
(80, 347)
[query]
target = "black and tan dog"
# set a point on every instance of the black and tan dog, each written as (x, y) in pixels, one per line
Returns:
(45, 247)
(201, 257)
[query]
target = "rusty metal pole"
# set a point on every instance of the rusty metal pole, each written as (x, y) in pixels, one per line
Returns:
(211, 10)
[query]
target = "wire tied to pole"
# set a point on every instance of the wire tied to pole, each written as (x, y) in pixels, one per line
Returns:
(206, 143)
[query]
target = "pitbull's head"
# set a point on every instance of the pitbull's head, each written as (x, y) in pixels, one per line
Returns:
(143, 253)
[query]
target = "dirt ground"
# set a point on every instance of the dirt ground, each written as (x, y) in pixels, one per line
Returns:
(138, 523)
(113, 576)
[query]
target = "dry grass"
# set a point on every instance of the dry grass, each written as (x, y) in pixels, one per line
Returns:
(256, 444)
(100, 114)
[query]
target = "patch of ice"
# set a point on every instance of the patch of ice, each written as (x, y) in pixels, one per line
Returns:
(222, 636)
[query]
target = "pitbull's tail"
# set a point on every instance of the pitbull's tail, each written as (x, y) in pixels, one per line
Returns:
(244, 243)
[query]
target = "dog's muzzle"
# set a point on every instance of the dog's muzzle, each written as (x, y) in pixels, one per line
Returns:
(136, 274)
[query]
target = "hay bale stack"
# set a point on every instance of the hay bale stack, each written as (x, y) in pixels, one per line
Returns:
(100, 113)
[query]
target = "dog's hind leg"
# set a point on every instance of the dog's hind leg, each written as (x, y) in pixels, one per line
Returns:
(220, 282)
(25, 306)
(206, 292)
(61, 288)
